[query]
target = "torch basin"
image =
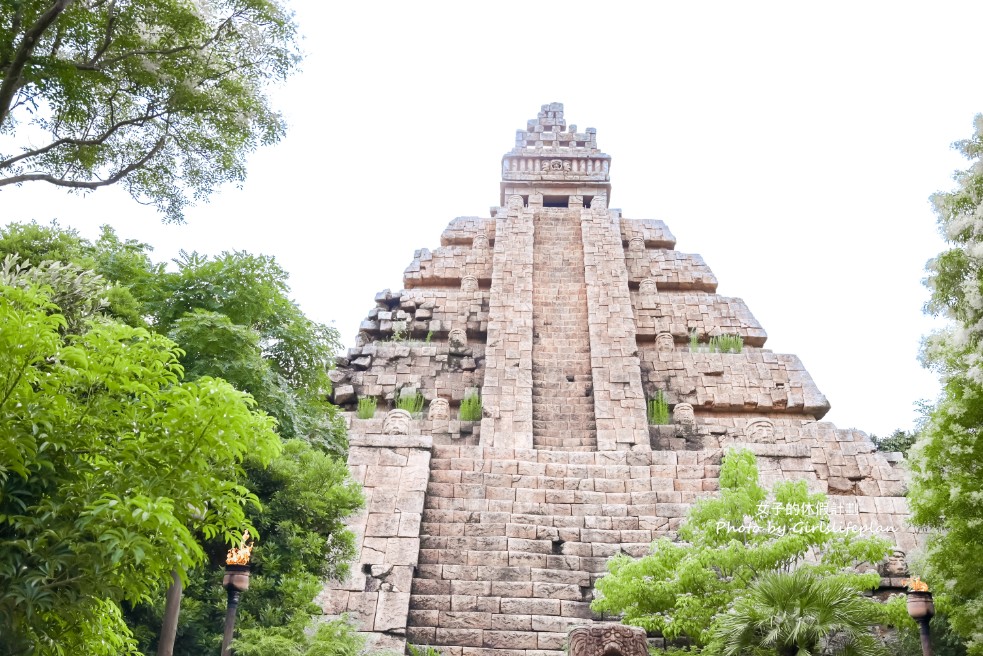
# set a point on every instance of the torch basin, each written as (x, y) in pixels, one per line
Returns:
(920, 605)
(236, 578)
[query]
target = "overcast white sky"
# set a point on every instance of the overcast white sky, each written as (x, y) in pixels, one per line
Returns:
(793, 145)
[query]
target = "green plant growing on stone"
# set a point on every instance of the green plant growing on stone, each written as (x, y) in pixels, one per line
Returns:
(366, 407)
(412, 402)
(429, 337)
(658, 410)
(694, 341)
(470, 407)
(399, 332)
(726, 344)
(423, 650)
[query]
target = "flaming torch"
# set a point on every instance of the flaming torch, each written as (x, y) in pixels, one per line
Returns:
(236, 581)
(921, 608)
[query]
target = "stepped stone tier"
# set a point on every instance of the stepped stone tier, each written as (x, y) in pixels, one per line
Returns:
(486, 537)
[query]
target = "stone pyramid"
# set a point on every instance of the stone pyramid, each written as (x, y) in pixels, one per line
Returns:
(485, 538)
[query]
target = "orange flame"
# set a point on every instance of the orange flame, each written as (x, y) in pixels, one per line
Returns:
(240, 555)
(915, 584)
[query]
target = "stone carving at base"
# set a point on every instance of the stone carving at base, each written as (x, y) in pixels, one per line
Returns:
(648, 286)
(397, 422)
(682, 413)
(608, 640)
(469, 284)
(665, 342)
(636, 244)
(480, 241)
(761, 431)
(439, 410)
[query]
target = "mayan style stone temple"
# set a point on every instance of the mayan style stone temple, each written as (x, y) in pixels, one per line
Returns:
(565, 317)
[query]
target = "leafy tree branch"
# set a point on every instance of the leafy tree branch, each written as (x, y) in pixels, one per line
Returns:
(165, 97)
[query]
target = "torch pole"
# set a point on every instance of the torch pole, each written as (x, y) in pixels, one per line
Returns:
(230, 621)
(926, 637)
(235, 581)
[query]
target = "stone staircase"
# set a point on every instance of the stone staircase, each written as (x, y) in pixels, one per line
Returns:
(562, 393)
(512, 541)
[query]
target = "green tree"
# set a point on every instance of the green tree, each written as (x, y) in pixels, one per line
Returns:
(232, 318)
(900, 440)
(799, 614)
(164, 97)
(231, 315)
(111, 471)
(305, 495)
(125, 265)
(946, 492)
(683, 587)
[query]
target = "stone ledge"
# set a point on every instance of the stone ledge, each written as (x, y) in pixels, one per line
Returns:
(392, 441)
(772, 450)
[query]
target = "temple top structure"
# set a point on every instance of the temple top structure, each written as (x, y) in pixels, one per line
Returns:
(556, 161)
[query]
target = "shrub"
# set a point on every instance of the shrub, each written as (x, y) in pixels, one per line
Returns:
(727, 344)
(470, 407)
(366, 407)
(658, 410)
(412, 403)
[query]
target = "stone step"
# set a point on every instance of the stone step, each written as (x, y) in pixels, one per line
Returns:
(562, 397)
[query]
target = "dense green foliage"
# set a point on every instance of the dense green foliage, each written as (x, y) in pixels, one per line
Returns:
(797, 614)
(900, 440)
(335, 638)
(683, 587)
(946, 492)
(111, 468)
(164, 97)
(231, 315)
(232, 319)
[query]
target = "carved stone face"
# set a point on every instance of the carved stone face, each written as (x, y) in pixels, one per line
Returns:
(480, 241)
(608, 640)
(439, 410)
(599, 202)
(896, 565)
(683, 414)
(636, 244)
(761, 431)
(664, 342)
(397, 422)
(648, 286)
(469, 284)
(458, 339)
(515, 202)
